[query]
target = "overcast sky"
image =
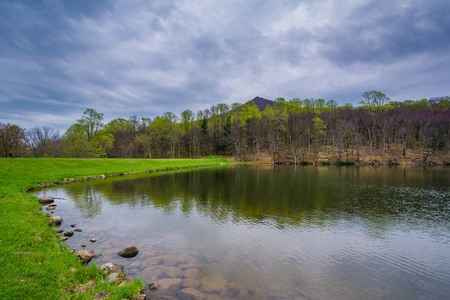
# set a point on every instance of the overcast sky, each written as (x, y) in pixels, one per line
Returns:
(144, 58)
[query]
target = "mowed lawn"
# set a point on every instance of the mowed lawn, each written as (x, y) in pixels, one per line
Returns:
(33, 262)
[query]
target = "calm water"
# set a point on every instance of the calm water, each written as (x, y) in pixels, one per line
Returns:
(284, 233)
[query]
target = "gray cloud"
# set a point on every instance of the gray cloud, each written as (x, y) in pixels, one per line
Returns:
(144, 58)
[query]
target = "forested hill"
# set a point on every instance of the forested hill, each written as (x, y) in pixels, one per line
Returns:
(262, 103)
(290, 131)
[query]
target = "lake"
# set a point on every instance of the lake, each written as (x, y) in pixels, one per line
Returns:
(263, 232)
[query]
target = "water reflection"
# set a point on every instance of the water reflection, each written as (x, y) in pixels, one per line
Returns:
(314, 232)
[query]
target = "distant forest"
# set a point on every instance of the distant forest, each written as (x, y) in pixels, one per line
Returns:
(297, 130)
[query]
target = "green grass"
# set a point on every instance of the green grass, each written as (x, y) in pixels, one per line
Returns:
(33, 262)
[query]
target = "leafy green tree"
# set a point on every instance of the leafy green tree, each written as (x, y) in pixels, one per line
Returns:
(374, 99)
(91, 122)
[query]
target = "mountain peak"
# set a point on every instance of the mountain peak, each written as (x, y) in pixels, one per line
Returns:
(262, 103)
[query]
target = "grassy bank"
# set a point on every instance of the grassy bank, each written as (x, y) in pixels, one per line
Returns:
(33, 262)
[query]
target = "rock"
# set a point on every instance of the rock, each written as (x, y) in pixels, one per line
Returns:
(85, 255)
(93, 240)
(56, 220)
(72, 250)
(111, 267)
(190, 294)
(129, 252)
(153, 286)
(235, 290)
(154, 260)
(64, 238)
(190, 283)
(101, 295)
(169, 284)
(112, 277)
(192, 273)
(46, 200)
(73, 225)
(50, 208)
(152, 273)
(213, 283)
(78, 230)
(127, 280)
(170, 260)
(68, 233)
(59, 230)
(83, 246)
(171, 272)
(150, 287)
(51, 205)
(102, 177)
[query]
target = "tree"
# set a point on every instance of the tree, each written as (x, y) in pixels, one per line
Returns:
(12, 140)
(374, 99)
(91, 122)
(43, 142)
(86, 138)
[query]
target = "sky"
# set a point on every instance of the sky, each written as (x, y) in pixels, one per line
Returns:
(144, 58)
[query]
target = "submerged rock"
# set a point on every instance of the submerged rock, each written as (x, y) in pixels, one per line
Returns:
(129, 252)
(78, 230)
(86, 255)
(213, 283)
(50, 208)
(190, 283)
(235, 290)
(190, 294)
(192, 273)
(169, 284)
(68, 233)
(93, 240)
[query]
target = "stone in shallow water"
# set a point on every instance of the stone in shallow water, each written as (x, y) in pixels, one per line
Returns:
(46, 200)
(171, 272)
(93, 240)
(152, 273)
(129, 252)
(78, 230)
(190, 294)
(235, 290)
(68, 233)
(55, 220)
(190, 283)
(51, 208)
(192, 273)
(153, 261)
(170, 285)
(213, 283)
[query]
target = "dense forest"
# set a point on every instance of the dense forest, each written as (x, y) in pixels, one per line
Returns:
(292, 131)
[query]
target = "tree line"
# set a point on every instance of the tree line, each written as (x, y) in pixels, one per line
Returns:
(298, 130)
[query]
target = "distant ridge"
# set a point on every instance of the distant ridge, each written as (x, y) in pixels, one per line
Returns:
(262, 103)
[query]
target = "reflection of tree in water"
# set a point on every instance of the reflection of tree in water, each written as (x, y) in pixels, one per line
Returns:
(307, 196)
(87, 200)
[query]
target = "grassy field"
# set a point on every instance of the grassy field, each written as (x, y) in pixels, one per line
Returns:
(33, 262)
